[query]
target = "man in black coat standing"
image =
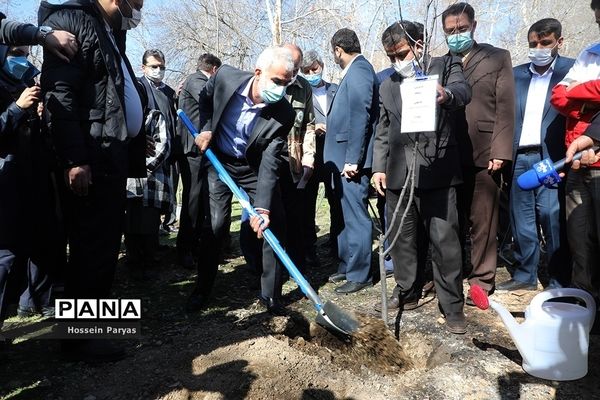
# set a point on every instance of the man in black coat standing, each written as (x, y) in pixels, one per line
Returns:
(94, 112)
(192, 215)
(437, 172)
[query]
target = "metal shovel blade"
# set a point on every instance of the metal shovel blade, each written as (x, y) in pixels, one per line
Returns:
(336, 320)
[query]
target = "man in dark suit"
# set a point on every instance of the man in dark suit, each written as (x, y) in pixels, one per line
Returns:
(245, 119)
(350, 124)
(192, 215)
(539, 134)
(432, 212)
(322, 93)
(485, 133)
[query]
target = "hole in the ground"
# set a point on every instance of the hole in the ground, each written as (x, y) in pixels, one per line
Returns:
(373, 346)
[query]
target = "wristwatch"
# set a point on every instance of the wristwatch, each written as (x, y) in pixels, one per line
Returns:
(44, 31)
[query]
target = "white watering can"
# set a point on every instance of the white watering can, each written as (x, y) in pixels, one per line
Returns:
(554, 338)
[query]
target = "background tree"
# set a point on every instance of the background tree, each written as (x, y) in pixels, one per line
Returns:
(237, 30)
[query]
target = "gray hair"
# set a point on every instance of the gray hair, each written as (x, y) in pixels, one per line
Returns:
(310, 57)
(275, 55)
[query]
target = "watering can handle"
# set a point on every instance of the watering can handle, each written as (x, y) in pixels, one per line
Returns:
(540, 299)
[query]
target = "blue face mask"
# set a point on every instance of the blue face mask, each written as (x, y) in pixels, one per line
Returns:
(314, 79)
(19, 68)
(460, 42)
(272, 93)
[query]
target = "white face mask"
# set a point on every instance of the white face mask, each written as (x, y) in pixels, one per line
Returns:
(156, 75)
(541, 57)
(405, 68)
(132, 22)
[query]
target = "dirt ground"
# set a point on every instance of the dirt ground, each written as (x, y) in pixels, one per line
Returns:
(235, 350)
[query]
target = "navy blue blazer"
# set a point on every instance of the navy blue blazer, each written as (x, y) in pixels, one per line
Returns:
(553, 124)
(354, 109)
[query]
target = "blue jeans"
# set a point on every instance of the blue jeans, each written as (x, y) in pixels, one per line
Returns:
(528, 210)
(7, 261)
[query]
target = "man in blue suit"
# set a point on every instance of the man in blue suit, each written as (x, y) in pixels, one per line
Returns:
(350, 120)
(539, 134)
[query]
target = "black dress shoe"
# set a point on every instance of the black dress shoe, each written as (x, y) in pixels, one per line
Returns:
(337, 277)
(394, 304)
(511, 285)
(195, 303)
(274, 306)
(456, 323)
(428, 290)
(351, 287)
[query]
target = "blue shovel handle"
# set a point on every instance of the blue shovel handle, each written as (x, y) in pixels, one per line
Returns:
(243, 199)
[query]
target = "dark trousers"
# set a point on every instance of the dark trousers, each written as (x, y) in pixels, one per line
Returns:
(583, 228)
(171, 218)
(9, 223)
(191, 217)
(141, 233)
(94, 224)
(355, 239)
(7, 262)
(478, 199)
(28, 238)
(432, 214)
(530, 209)
(218, 208)
(294, 204)
(39, 287)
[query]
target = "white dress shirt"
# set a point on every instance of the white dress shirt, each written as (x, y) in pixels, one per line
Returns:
(320, 95)
(134, 113)
(531, 133)
(345, 70)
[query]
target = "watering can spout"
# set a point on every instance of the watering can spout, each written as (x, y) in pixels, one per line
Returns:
(518, 332)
